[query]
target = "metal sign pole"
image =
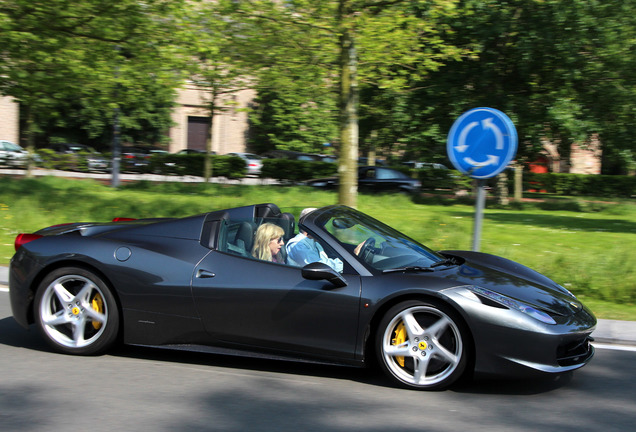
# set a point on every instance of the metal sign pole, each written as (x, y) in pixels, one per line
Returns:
(481, 143)
(480, 203)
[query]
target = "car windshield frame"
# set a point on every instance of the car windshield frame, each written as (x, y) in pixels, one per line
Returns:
(392, 250)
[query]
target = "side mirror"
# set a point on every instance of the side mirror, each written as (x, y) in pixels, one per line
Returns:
(321, 271)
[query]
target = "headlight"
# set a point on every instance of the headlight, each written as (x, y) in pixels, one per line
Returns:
(511, 304)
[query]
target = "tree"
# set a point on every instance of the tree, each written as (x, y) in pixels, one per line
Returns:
(213, 63)
(293, 118)
(563, 71)
(63, 54)
(390, 43)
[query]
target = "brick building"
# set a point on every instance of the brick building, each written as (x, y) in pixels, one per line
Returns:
(190, 117)
(192, 120)
(9, 120)
(583, 159)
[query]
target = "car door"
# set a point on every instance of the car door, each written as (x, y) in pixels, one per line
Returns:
(271, 306)
(376, 179)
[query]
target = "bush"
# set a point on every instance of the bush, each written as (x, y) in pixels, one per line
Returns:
(231, 167)
(581, 184)
(289, 170)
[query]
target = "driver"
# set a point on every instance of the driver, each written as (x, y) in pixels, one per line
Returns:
(304, 249)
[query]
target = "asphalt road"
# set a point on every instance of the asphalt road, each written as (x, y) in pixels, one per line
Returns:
(144, 389)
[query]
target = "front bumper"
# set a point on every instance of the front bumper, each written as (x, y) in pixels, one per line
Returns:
(511, 343)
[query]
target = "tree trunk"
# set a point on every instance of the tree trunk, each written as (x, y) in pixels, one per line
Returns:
(347, 169)
(207, 166)
(30, 141)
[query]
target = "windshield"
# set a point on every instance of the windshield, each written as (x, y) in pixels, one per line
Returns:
(12, 147)
(376, 244)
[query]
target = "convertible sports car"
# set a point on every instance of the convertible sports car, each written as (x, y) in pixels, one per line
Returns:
(426, 318)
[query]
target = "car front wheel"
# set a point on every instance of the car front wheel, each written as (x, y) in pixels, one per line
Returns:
(421, 345)
(76, 312)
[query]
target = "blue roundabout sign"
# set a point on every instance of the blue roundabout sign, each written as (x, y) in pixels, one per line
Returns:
(482, 142)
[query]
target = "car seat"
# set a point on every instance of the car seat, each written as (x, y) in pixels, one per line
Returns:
(245, 237)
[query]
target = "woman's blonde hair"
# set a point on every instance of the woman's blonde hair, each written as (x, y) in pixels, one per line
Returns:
(264, 234)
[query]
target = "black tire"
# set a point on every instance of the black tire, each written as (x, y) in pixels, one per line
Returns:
(422, 345)
(76, 312)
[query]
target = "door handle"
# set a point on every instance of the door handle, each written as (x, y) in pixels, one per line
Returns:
(203, 274)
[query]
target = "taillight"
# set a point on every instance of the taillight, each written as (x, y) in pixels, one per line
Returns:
(123, 219)
(24, 239)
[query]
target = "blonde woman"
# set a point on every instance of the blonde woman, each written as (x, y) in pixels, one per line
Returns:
(268, 241)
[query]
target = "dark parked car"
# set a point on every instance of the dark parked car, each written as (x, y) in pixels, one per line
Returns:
(426, 317)
(365, 161)
(193, 151)
(375, 179)
(92, 160)
(429, 165)
(294, 155)
(137, 158)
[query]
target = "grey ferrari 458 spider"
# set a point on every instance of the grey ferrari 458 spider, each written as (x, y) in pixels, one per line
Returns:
(363, 293)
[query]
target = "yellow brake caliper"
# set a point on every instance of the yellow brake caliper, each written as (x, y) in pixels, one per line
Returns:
(399, 339)
(98, 305)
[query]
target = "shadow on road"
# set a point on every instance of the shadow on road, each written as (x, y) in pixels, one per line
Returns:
(11, 334)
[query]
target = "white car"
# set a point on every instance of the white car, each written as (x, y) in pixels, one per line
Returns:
(252, 161)
(12, 154)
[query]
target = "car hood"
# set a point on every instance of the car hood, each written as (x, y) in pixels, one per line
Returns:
(513, 280)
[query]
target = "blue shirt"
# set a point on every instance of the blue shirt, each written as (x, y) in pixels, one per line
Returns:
(302, 250)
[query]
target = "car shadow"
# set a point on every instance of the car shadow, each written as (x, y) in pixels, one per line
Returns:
(251, 362)
(12, 334)
(365, 375)
(513, 387)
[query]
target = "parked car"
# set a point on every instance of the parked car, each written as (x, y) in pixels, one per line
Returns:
(420, 165)
(193, 151)
(134, 159)
(426, 317)
(375, 179)
(253, 162)
(365, 161)
(12, 155)
(292, 155)
(327, 158)
(95, 161)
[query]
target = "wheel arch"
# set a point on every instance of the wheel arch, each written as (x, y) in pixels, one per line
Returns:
(37, 280)
(433, 298)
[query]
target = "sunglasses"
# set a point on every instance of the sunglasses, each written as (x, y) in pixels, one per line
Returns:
(278, 240)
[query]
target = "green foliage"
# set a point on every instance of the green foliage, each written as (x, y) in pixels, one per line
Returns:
(294, 119)
(71, 63)
(287, 170)
(563, 72)
(50, 159)
(582, 184)
(230, 167)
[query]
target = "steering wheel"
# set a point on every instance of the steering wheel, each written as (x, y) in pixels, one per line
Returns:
(366, 250)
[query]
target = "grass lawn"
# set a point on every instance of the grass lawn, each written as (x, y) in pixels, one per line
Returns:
(586, 245)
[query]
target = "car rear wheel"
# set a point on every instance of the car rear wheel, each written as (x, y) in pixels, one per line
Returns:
(421, 345)
(76, 312)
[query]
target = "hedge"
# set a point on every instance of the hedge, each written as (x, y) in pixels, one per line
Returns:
(231, 167)
(581, 184)
(293, 171)
(290, 170)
